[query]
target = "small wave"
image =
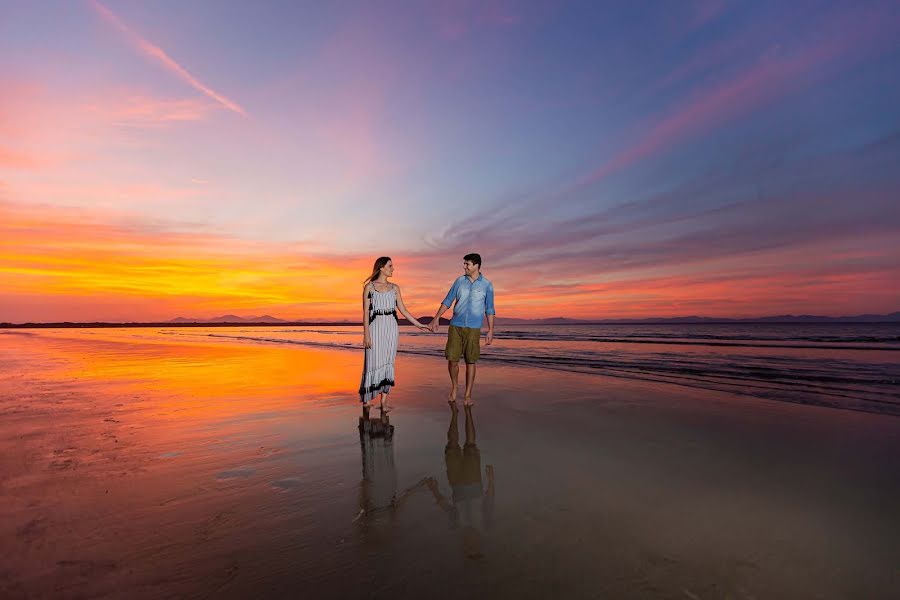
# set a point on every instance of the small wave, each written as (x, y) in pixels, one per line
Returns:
(854, 340)
(700, 341)
(846, 384)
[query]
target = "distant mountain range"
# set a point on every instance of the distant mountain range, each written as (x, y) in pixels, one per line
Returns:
(893, 317)
(230, 319)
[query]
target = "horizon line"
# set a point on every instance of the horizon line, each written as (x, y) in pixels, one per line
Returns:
(280, 321)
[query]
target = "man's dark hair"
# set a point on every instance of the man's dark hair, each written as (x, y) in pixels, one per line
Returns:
(473, 258)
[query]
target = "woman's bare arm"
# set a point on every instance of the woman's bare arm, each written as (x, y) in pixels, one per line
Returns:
(405, 312)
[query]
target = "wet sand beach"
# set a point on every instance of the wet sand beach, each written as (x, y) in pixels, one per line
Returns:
(138, 465)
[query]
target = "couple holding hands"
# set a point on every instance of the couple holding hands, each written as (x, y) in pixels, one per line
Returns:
(471, 296)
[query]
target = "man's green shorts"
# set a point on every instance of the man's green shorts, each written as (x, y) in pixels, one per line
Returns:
(463, 342)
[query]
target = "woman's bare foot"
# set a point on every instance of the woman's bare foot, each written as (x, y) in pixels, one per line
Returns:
(467, 401)
(452, 396)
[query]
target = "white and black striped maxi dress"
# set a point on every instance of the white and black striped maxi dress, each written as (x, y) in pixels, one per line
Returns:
(384, 329)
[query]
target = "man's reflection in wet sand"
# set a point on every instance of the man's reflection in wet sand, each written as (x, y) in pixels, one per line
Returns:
(471, 507)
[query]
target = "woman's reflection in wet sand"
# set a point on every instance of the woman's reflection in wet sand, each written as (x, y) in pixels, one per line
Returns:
(378, 489)
(379, 502)
(471, 507)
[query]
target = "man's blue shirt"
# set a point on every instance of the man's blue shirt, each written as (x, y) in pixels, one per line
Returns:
(474, 299)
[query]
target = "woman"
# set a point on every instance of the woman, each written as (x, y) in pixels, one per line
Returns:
(381, 299)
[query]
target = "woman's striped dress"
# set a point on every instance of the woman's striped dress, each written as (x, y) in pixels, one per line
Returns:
(384, 328)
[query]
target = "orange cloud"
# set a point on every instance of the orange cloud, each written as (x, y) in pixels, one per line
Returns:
(59, 264)
(63, 254)
(720, 288)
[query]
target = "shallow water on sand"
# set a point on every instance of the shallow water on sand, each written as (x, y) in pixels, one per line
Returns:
(153, 467)
(854, 366)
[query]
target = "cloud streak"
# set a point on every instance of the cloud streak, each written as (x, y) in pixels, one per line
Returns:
(811, 209)
(771, 78)
(159, 55)
(774, 74)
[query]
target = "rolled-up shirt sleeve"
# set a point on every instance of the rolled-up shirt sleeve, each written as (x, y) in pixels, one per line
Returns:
(451, 295)
(489, 301)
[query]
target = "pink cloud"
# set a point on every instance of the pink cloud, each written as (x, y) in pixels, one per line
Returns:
(456, 18)
(706, 11)
(347, 114)
(138, 109)
(33, 125)
(43, 128)
(720, 53)
(777, 74)
(17, 106)
(159, 55)
(11, 159)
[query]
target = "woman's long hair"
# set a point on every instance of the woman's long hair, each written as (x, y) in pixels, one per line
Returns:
(376, 269)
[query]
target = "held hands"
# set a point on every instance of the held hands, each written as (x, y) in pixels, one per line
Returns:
(433, 326)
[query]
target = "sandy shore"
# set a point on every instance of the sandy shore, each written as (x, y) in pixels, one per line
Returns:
(141, 467)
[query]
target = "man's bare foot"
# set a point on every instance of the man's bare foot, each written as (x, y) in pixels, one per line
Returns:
(452, 396)
(467, 401)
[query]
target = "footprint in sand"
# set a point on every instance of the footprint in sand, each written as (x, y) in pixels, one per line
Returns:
(235, 474)
(287, 484)
(223, 520)
(67, 450)
(89, 568)
(64, 464)
(31, 531)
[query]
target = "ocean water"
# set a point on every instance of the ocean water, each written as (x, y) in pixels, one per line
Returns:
(853, 366)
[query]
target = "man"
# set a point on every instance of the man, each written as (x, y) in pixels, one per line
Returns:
(473, 296)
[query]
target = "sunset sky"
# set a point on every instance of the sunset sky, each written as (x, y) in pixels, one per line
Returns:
(642, 159)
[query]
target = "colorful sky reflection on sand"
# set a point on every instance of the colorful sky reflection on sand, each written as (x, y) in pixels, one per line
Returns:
(705, 157)
(220, 378)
